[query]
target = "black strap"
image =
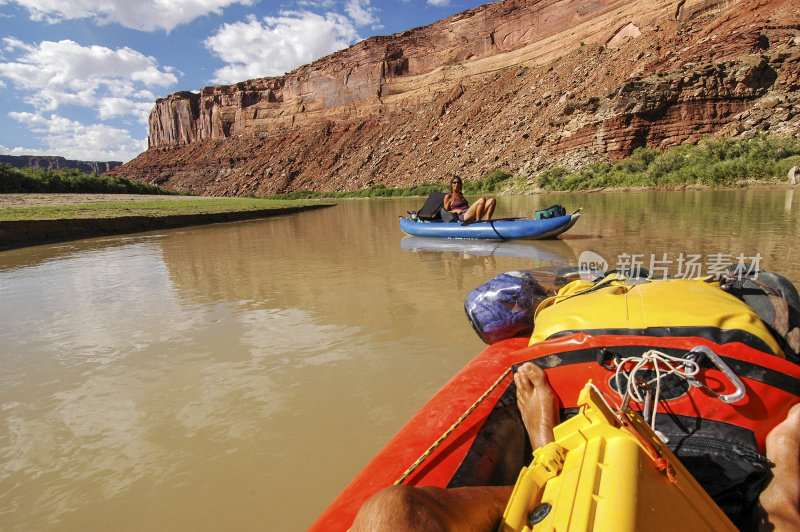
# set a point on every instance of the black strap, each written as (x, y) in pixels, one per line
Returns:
(491, 222)
(748, 370)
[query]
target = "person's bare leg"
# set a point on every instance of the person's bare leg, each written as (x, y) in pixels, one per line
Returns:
(475, 211)
(478, 211)
(473, 508)
(470, 214)
(432, 509)
(780, 501)
(537, 404)
(489, 209)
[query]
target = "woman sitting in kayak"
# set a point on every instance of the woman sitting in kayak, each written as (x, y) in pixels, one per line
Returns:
(456, 203)
(480, 508)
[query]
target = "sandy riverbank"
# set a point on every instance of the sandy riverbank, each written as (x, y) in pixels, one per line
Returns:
(15, 234)
(11, 201)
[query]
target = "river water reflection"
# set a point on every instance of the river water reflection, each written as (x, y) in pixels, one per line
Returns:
(237, 376)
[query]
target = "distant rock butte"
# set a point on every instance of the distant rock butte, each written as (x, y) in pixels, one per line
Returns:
(57, 163)
(520, 85)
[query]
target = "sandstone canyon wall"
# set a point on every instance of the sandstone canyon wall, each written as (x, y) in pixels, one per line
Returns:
(520, 85)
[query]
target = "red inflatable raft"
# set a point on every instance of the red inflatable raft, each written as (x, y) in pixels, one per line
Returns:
(716, 425)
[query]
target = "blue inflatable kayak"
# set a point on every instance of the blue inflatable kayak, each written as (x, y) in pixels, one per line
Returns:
(521, 228)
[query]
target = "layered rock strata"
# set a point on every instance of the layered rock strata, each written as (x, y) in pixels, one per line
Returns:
(520, 85)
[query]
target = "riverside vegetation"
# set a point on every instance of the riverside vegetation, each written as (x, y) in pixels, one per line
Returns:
(68, 180)
(763, 159)
(714, 163)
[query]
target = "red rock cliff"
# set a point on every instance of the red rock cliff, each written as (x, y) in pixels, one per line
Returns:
(520, 85)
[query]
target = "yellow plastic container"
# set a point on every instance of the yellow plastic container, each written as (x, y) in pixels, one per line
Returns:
(608, 472)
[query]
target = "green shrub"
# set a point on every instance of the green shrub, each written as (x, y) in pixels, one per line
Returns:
(30, 180)
(725, 162)
(786, 164)
(552, 178)
(489, 184)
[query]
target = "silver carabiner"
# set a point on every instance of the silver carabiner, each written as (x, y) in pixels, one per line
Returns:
(725, 369)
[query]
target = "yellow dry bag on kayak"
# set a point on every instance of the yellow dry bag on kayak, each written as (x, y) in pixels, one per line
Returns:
(672, 307)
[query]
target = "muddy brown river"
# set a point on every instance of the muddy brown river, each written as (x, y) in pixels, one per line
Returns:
(237, 376)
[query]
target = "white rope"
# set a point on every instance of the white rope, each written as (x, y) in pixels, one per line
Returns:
(608, 401)
(663, 365)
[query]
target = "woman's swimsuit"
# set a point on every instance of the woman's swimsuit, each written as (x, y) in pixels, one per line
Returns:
(459, 202)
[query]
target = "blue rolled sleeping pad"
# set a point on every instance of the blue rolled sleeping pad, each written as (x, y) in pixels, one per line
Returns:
(503, 307)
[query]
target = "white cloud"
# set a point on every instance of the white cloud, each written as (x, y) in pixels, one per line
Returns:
(438, 3)
(362, 13)
(145, 15)
(21, 151)
(276, 45)
(122, 107)
(317, 4)
(74, 140)
(61, 73)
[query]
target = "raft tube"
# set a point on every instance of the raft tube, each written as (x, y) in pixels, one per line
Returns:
(490, 446)
(512, 229)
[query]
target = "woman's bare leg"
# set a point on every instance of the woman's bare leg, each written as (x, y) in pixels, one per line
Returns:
(489, 209)
(479, 206)
(780, 501)
(475, 211)
(468, 509)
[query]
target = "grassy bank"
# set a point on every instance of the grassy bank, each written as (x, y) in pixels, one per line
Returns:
(154, 201)
(150, 208)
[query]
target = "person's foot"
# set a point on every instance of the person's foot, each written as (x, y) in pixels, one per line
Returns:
(537, 404)
(780, 501)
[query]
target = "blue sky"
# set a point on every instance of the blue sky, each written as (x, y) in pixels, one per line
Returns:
(78, 78)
